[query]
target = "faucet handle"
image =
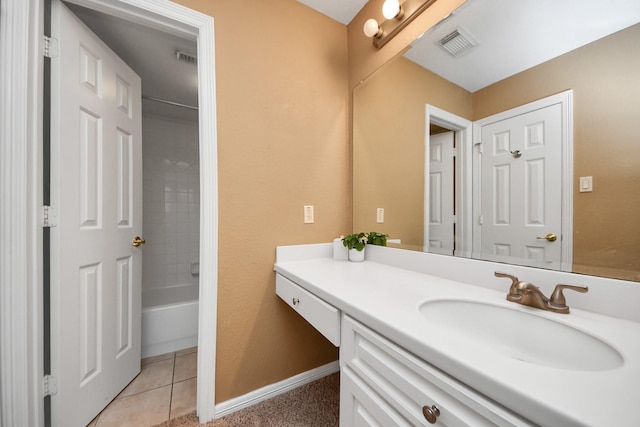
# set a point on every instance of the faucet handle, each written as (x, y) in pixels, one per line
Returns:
(513, 295)
(557, 300)
(514, 279)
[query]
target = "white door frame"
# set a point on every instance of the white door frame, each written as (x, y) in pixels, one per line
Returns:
(463, 174)
(565, 99)
(21, 300)
(21, 348)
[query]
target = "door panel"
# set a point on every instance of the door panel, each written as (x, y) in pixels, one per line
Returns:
(90, 169)
(534, 192)
(125, 178)
(124, 308)
(97, 188)
(90, 330)
(521, 188)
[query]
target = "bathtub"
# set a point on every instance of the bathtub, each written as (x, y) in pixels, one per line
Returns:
(169, 319)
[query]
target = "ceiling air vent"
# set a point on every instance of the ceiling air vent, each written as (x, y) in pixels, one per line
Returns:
(186, 57)
(457, 42)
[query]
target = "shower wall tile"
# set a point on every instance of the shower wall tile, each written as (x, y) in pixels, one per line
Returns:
(171, 201)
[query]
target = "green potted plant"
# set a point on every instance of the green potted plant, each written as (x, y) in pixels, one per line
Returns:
(355, 243)
(375, 238)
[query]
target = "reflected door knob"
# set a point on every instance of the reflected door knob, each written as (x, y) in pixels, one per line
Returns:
(137, 241)
(550, 237)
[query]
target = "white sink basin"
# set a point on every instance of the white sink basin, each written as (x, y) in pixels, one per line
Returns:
(520, 334)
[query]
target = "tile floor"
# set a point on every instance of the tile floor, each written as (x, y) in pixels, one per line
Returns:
(164, 389)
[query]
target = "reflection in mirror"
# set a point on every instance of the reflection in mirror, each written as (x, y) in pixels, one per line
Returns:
(601, 72)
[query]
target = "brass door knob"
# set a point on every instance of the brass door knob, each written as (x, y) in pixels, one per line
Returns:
(431, 413)
(550, 237)
(137, 241)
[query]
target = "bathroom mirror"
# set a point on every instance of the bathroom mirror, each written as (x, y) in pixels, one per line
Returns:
(603, 77)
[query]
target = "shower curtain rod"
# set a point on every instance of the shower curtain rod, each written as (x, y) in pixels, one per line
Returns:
(175, 104)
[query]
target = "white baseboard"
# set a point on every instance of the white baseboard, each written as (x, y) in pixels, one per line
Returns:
(272, 390)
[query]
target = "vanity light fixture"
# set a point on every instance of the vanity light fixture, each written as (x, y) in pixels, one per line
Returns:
(392, 9)
(372, 29)
(397, 17)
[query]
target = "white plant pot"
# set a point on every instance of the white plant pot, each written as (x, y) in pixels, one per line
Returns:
(356, 255)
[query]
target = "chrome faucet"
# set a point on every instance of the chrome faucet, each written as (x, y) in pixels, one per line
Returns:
(526, 293)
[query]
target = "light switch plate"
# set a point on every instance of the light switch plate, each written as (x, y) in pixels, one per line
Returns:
(380, 215)
(586, 184)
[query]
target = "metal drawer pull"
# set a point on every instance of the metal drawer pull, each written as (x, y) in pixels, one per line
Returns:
(431, 413)
(295, 301)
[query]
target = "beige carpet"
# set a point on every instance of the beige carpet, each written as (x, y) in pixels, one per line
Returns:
(313, 404)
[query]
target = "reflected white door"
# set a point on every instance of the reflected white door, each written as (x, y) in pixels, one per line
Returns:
(522, 188)
(441, 193)
(96, 187)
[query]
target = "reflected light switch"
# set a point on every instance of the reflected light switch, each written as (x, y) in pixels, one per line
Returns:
(586, 184)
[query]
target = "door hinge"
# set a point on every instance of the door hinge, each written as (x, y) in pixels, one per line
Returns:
(479, 145)
(480, 219)
(50, 47)
(49, 216)
(50, 384)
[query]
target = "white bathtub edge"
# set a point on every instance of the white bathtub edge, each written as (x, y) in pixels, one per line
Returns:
(275, 389)
(169, 328)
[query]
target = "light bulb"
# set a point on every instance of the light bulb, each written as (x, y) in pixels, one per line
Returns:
(390, 8)
(371, 28)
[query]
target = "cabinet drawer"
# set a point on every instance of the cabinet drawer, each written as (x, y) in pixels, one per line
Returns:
(322, 316)
(361, 406)
(408, 383)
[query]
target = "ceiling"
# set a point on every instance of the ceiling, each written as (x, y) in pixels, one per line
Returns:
(513, 36)
(340, 10)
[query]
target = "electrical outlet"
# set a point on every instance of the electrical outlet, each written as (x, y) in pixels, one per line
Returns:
(308, 214)
(380, 215)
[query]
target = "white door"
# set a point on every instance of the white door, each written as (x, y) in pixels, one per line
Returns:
(521, 193)
(441, 194)
(96, 188)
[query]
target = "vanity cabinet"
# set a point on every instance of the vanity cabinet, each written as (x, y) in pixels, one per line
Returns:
(383, 384)
(415, 333)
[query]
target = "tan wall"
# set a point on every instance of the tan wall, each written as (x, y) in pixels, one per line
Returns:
(606, 85)
(283, 142)
(388, 146)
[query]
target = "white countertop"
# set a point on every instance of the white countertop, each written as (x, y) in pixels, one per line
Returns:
(386, 299)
